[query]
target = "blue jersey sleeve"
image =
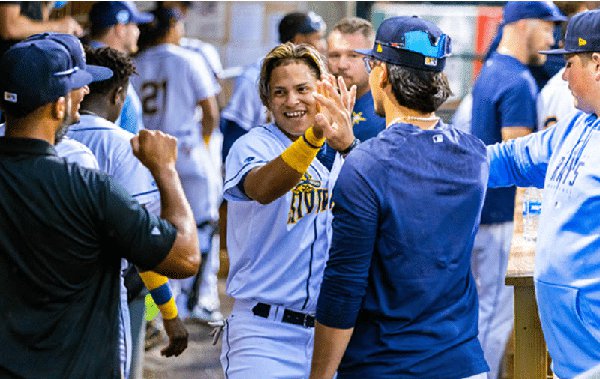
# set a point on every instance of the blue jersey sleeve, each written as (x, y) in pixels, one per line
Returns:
(356, 213)
(524, 161)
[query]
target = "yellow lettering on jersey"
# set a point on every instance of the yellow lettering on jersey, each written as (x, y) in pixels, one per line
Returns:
(307, 197)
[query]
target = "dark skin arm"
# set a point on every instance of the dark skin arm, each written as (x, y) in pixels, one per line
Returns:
(158, 152)
(178, 337)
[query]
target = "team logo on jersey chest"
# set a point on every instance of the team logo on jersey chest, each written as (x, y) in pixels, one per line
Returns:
(357, 118)
(308, 197)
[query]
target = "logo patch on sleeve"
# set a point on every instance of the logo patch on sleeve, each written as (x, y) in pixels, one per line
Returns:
(155, 231)
(10, 97)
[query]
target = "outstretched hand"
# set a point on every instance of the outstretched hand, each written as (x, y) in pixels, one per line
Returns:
(334, 118)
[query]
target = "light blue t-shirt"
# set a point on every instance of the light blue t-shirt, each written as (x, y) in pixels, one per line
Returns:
(564, 160)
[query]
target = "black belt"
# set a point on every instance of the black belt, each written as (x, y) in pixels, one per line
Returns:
(289, 316)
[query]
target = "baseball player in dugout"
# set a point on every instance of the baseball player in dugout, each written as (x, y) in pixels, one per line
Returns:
(66, 228)
(348, 35)
(174, 83)
(398, 299)
(279, 215)
(245, 109)
(115, 24)
(565, 162)
(110, 144)
(504, 107)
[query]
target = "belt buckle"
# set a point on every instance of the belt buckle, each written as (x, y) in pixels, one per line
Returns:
(305, 322)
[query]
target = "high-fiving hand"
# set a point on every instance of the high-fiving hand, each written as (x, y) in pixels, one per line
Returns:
(334, 104)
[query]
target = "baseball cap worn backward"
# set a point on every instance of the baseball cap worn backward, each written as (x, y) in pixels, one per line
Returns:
(410, 42)
(75, 48)
(34, 73)
(542, 10)
(583, 34)
(108, 13)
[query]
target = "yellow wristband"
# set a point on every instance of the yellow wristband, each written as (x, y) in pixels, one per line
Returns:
(153, 280)
(302, 152)
(168, 310)
(310, 137)
(206, 139)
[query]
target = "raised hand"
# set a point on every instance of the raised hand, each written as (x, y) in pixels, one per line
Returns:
(155, 149)
(335, 104)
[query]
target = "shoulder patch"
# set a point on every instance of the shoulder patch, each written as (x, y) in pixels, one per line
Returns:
(155, 231)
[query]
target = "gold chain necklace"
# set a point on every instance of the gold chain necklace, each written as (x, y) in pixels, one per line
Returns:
(414, 118)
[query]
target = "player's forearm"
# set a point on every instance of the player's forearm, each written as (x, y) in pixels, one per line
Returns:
(176, 209)
(14, 26)
(161, 293)
(271, 181)
(210, 116)
(173, 203)
(330, 345)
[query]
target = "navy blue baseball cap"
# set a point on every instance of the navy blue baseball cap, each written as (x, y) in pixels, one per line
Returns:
(164, 16)
(583, 34)
(108, 13)
(541, 10)
(34, 73)
(75, 48)
(411, 42)
(299, 23)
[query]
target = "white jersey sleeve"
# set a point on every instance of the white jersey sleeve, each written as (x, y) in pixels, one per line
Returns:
(245, 107)
(254, 149)
(199, 76)
(76, 152)
(110, 144)
(208, 52)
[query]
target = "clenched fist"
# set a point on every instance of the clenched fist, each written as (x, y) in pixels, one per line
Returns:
(155, 149)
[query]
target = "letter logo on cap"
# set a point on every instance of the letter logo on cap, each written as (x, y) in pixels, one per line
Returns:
(582, 42)
(10, 97)
(123, 17)
(429, 61)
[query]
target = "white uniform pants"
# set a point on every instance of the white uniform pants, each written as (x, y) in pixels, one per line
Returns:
(257, 347)
(489, 262)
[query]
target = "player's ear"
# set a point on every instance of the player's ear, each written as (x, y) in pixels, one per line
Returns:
(119, 95)
(59, 108)
(382, 75)
(595, 58)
